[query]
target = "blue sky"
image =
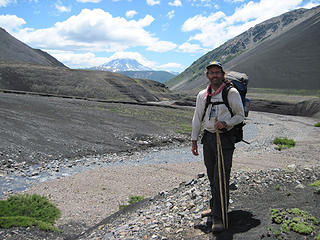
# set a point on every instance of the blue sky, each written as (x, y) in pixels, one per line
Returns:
(163, 35)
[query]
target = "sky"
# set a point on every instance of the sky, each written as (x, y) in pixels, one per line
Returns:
(163, 35)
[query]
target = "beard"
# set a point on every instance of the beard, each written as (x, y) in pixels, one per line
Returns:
(216, 81)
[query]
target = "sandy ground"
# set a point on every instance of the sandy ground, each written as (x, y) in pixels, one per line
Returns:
(90, 196)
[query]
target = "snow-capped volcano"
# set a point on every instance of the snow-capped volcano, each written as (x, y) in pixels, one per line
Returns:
(120, 65)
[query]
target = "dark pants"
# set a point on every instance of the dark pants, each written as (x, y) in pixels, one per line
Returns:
(211, 162)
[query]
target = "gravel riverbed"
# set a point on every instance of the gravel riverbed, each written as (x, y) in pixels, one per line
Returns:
(177, 189)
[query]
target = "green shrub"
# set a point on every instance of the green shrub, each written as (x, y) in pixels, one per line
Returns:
(132, 199)
(28, 210)
(277, 187)
(317, 124)
(284, 143)
(315, 184)
(295, 220)
(301, 228)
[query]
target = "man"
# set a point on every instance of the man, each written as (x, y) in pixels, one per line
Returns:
(216, 118)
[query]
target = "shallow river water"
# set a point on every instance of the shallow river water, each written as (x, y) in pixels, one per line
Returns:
(13, 183)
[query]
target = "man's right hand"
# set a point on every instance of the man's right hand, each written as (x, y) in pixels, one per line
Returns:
(194, 148)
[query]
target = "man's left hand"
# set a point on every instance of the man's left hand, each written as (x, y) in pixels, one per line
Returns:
(220, 125)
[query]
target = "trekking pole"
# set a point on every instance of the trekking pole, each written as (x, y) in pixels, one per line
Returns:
(223, 197)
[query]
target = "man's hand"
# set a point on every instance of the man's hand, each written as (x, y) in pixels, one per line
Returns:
(194, 148)
(220, 125)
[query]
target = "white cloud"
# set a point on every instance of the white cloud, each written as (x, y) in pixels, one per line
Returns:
(153, 2)
(77, 60)
(173, 66)
(202, 3)
(175, 3)
(132, 55)
(130, 13)
(212, 32)
(217, 28)
(89, 59)
(59, 6)
(170, 14)
(261, 11)
(4, 3)
(11, 22)
(189, 48)
(161, 46)
(235, 1)
(91, 1)
(94, 30)
(311, 4)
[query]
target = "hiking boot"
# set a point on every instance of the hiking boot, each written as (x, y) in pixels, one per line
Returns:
(217, 225)
(206, 213)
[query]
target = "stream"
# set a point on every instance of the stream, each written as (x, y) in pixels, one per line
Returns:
(12, 183)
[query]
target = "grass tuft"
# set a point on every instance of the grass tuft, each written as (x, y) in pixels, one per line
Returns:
(295, 220)
(317, 124)
(132, 199)
(277, 187)
(284, 143)
(28, 210)
(315, 184)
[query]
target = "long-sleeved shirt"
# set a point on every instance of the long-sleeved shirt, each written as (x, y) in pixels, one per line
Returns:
(219, 112)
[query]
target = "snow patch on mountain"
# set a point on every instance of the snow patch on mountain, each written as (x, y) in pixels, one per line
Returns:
(120, 65)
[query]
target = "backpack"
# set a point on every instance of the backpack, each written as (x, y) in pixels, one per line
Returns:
(240, 83)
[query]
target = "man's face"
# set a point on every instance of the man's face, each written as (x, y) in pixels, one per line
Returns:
(215, 76)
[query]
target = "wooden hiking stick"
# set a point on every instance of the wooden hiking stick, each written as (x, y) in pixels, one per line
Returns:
(223, 200)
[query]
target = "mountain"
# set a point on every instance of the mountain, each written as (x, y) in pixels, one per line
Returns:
(23, 68)
(132, 68)
(289, 61)
(15, 51)
(122, 64)
(277, 53)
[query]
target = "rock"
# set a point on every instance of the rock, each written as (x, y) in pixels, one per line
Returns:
(300, 186)
(233, 186)
(201, 175)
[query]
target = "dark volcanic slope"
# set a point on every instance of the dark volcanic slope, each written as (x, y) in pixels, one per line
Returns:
(81, 83)
(291, 60)
(13, 50)
(269, 53)
(35, 129)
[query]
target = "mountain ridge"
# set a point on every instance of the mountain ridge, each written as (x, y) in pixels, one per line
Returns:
(121, 65)
(193, 77)
(25, 69)
(297, 51)
(14, 51)
(132, 68)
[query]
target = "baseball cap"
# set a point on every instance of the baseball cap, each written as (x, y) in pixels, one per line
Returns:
(214, 63)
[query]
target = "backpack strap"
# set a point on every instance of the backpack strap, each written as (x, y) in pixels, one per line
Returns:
(225, 92)
(208, 101)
